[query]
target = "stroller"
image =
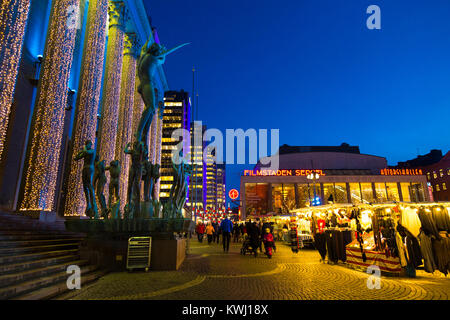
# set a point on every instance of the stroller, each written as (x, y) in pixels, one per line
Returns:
(250, 246)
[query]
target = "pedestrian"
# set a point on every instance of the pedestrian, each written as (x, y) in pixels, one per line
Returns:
(209, 232)
(226, 226)
(200, 230)
(236, 233)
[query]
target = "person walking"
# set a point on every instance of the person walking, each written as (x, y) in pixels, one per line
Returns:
(236, 232)
(226, 226)
(200, 230)
(209, 232)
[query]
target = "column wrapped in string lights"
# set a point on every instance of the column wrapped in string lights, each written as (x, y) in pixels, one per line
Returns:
(14, 15)
(85, 123)
(152, 136)
(42, 163)
(138, 107)
(159, 128)
(111, 86)
(124, 131)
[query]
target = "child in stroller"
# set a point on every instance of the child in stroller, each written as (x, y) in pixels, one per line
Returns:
(250, 245)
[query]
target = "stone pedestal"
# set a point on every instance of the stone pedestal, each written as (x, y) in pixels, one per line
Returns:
(146, 210)
(111, 254)
(167, 254)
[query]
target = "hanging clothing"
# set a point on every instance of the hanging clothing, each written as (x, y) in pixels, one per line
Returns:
(401, 250)
(410, 220)
(441, 217)
(427, 252)
(428, 223)
(441, 249)
(414, 254)
(320, 242)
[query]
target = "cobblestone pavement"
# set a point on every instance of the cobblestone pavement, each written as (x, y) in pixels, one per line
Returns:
(210, 274)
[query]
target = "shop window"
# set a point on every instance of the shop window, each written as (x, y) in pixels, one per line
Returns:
(303, 195)
(367, 192)
(392, 192)
(288, 197)
(437, 188)
(317, 192)
(340, 190)
(355, 193)
(380, 189)
(256, 198)
(417, 192)
(329, 195)
(406, 191)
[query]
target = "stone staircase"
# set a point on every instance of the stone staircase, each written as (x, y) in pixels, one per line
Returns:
(34, 260)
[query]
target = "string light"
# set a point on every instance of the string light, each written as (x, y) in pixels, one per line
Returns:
(44, 153)
(124, 132)
(157, 144)
(14, 15)
(111, 88)
(88, 100)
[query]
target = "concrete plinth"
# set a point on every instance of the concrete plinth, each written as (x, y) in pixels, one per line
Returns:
(111, 254)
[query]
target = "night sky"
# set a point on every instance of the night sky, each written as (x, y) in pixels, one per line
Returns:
(312, 69)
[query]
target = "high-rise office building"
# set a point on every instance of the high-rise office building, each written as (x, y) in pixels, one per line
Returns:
(197, 180)
(220, 186)
(176, 116)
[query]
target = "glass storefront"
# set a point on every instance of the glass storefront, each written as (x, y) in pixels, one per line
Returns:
(367, 192)
(392, 191)
(406, 191)
(355, 193)
(303, 195)
(328, 193)
(380, 189)
(417, 192)
(283, 198)
(256, 198)
(340, 190)
(316, 187)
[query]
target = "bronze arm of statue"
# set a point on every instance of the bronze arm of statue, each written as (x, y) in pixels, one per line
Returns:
(150, 58)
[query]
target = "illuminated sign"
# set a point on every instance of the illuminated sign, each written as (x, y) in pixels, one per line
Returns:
(284, 173)
(401, 172)
(233, 194)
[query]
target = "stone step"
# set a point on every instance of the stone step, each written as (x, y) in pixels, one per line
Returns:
(34, 264)
(9, 279)
(23, 258)
(60, 288)
(20, 236)
(35, 242)
(33, 285)
(23, 250)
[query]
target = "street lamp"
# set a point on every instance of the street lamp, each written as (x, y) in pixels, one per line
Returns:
(313, 176)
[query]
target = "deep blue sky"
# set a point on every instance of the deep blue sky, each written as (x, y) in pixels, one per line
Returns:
(312, 69)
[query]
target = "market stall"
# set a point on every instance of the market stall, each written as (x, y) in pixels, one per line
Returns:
(399, 238)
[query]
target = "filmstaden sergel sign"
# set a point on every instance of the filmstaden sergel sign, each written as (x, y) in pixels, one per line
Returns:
(284, 173)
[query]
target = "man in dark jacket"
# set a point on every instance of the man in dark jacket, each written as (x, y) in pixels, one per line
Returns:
(226, 226)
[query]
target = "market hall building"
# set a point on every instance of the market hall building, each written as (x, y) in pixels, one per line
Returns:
(344, 176)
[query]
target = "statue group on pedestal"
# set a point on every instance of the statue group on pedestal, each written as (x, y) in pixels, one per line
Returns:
(141, 168)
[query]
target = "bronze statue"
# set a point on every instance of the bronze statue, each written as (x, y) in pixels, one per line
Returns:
(134, 176)
(87, 154)
(114, 173)
(99, 185)
(173, 208)
(150, 58)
